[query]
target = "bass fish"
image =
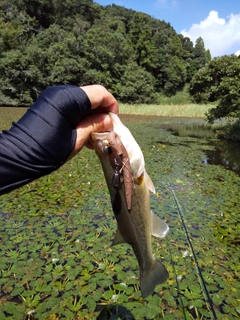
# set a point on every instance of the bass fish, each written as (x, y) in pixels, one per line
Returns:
(129, 184)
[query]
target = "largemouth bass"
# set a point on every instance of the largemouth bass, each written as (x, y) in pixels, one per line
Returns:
(129, 184)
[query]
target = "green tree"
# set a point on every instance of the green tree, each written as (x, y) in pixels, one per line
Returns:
(49, 58)
(45, 42)
(19, 77)
(107, 52)
(175, 70)
(175, 75)
(219, 81)
(56, 11)
(16, 28)
(140, 35)
(201, 57)
(188, 56)
(135, 86)
(121, 13)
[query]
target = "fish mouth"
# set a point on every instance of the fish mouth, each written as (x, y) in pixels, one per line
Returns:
(97, 136)
(99, 140)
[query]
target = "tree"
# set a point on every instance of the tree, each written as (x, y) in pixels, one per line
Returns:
(200, 57)
(47, 12)
(140, 35)
(188, 55)
(219, 81)
(175, 75)
(175, 69)
(135, 86)
(16, 28)
(45, 42)
(19, 77)
(49, 58)
(106, 51)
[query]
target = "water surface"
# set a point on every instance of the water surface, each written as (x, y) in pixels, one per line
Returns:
(56, 259)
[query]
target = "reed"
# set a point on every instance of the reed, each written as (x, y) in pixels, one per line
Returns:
(8, 115)
(181, 110)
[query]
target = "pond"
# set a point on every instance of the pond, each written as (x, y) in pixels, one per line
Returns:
(224, 153)
(56, 259)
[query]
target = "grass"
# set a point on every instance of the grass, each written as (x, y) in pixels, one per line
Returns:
(8, 115)
(180, 110)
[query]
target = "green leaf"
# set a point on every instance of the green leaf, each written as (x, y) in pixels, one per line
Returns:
(16, 291)
(108, 294)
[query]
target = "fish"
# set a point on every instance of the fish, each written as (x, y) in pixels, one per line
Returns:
(129, 187)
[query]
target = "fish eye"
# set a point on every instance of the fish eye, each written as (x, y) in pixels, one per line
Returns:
(107, 150)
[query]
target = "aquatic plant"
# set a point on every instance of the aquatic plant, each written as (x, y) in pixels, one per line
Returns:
(56, 259)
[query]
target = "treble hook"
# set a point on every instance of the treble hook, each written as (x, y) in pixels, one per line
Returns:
(118, 170)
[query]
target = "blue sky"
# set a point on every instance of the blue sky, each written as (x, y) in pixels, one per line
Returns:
(216, 21)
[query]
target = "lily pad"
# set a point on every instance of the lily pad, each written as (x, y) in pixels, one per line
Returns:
(56, 233)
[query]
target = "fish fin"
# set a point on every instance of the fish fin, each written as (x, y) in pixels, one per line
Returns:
(149, 182)
(118, 239)
(159, 227)
(156, 274)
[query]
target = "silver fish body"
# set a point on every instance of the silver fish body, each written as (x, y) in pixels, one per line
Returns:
(136, 222)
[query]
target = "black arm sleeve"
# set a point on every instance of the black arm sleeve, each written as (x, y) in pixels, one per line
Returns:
(41, 141)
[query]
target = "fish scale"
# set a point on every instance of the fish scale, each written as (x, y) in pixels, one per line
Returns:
(130, 201)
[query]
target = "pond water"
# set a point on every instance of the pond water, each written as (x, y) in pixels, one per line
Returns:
(56, 259)
(226, 154)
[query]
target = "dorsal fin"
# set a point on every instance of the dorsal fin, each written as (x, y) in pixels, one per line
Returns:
(149, 182)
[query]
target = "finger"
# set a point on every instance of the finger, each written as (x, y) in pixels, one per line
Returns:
(94, 123)
(101, 98)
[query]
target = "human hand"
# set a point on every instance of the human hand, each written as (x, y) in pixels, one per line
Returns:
(102, 102)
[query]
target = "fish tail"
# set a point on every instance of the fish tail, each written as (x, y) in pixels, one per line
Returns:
(154, 275)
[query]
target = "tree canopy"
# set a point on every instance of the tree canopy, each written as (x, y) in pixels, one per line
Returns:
(135, 56)
(219, 81)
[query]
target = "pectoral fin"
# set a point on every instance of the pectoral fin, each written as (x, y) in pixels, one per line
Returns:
(118, 239)
(159, 227)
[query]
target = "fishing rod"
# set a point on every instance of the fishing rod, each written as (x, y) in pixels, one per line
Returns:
(198, 269)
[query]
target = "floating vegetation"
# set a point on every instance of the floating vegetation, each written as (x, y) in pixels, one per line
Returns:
(56, 259)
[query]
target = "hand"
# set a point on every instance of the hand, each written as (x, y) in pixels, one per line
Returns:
(102, 102)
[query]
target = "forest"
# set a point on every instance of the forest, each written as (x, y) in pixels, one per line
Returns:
(137, 57)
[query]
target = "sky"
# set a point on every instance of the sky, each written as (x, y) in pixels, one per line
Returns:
(216, 21)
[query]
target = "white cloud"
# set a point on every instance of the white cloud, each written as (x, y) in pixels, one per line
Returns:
(220, 36)
(237, 53)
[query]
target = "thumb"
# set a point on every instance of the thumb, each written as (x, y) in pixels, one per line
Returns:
(98, 122)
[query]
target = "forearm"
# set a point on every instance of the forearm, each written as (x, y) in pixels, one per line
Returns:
(42, 140)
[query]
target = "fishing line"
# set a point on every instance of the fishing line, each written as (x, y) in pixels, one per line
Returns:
(198, 269)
